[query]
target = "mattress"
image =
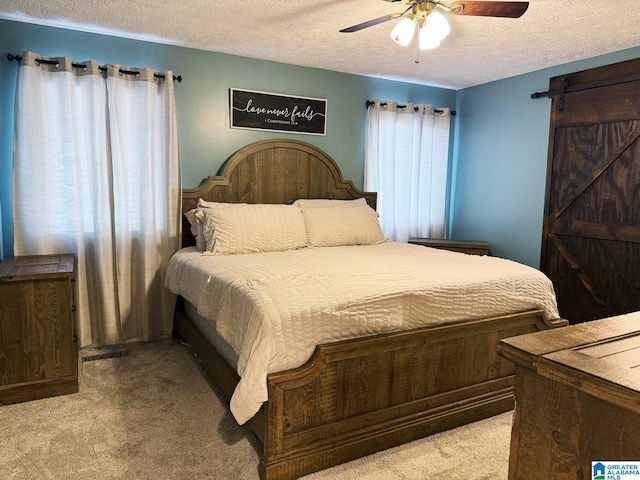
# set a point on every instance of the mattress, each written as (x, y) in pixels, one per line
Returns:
(208, 329)
(274, 308)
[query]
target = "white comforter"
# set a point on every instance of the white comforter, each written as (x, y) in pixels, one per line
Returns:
(274, 308)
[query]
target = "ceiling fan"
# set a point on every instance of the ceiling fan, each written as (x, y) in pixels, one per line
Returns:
(423, 15)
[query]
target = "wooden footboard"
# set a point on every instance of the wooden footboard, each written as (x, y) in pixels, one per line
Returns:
(356, 397)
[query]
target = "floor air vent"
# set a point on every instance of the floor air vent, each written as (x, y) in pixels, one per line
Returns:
(102, 356)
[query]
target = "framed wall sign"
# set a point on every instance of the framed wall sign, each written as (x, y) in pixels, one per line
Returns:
(277, 113)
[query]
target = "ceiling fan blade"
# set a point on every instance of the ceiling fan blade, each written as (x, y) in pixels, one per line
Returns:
(371, 23)
(489, 9)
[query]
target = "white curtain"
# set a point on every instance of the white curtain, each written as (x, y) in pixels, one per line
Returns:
(97, 174)
(406, 162)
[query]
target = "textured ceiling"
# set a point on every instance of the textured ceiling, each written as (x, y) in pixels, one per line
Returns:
(305, 32)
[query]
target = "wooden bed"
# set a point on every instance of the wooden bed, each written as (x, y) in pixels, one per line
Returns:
(354, 397)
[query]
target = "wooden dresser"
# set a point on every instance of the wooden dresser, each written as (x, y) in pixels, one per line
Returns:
(577, 397)
(473, 247)
(38, 351)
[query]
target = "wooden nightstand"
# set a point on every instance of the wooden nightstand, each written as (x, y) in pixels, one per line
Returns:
(38, 351)
(473, 247)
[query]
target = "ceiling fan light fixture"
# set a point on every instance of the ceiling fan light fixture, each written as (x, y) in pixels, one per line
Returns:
(427, 39)
(403, 32)
(432, 26)
(438, 25)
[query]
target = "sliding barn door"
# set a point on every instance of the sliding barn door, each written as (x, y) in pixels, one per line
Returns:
(591, 229)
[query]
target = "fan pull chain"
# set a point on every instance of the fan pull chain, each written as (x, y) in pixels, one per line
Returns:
(417, 52)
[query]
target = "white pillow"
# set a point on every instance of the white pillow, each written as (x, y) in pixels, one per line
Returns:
(325, 202)
(252, 228)
(204, 204)
(195, 218)
(338, 225)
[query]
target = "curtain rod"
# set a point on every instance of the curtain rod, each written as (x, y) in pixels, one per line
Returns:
(370, 102)
(101, 69)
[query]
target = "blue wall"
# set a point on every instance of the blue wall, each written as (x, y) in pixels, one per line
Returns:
(500, 160)
(203, 99)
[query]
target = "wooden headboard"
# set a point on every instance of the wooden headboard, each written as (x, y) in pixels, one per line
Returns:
(273, 171)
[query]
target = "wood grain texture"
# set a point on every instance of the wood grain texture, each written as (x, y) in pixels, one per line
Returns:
(355, 397)
(472, 247)
(591, 227)
(577, 399)
(485, 8)
(38, 355)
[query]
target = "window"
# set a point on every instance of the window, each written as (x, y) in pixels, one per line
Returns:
(97, 174)
(406, 162)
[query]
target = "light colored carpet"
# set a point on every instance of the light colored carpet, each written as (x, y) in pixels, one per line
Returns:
(155, 415)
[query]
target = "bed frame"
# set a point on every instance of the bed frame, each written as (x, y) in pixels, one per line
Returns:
(354, 397)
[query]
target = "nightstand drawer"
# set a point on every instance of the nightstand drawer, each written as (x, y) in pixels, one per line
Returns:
(473, 247)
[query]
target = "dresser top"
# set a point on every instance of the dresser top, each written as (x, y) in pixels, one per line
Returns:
(33, 267)
(601, 357)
